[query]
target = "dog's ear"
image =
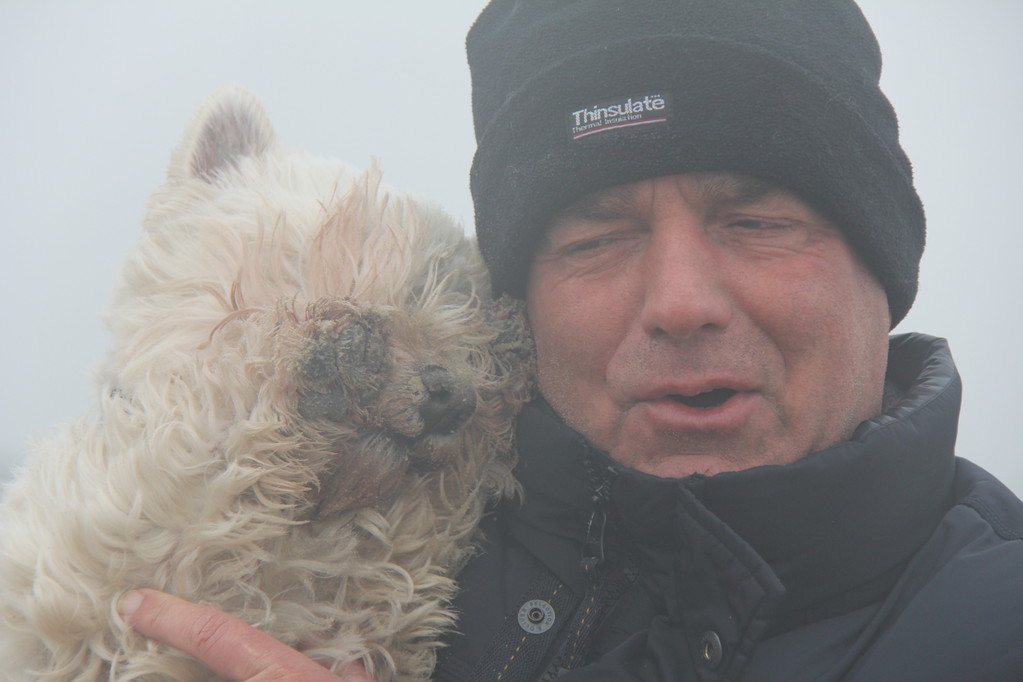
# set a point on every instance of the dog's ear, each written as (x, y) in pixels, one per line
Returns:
(513, 348)
(229, 124)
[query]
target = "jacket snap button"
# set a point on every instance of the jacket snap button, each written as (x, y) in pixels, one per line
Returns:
(536, 616)
(710, 648)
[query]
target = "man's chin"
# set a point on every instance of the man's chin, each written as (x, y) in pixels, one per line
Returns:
(680, 465)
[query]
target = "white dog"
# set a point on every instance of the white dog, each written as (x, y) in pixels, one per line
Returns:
(307, 404)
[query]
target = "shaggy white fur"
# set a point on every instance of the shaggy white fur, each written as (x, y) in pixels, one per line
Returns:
(307, 404)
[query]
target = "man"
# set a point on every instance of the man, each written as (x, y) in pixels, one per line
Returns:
(732, 472)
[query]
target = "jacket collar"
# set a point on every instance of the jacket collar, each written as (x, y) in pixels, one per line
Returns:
(852, 515)
(834, 527)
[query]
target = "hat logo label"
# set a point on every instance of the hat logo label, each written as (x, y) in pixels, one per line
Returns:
(631, 111)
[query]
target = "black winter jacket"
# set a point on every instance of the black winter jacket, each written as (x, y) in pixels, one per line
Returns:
(884, 557)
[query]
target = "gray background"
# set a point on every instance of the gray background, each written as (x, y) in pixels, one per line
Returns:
(95, 94)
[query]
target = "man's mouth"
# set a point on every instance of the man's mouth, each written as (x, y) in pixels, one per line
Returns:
(705, 400)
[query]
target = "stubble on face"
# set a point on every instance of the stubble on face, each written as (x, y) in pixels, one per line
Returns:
(797, 336)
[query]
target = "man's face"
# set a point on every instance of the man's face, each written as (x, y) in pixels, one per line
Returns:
(703, 323)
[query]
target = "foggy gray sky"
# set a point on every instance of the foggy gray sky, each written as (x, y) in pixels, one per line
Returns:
(96, 93)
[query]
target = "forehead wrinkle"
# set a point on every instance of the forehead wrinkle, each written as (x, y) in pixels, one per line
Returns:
(722, 190)
(603, 205)
(729, 189)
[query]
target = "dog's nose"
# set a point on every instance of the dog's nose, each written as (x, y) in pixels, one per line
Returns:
(449, 401)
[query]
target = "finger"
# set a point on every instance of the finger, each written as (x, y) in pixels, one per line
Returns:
(229, 646)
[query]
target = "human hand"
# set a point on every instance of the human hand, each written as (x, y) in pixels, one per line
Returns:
(229, 646)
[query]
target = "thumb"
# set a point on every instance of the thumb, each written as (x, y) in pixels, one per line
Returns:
(229, 646)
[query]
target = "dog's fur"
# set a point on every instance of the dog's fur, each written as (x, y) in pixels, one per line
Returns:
(307, 404)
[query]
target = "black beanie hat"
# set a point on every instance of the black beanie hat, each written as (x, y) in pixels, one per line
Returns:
(573, 96)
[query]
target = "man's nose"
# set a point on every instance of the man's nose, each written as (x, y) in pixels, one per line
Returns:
(684, 288)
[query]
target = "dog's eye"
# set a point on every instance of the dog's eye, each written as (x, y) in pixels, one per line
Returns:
(331, 404)
(364, 347)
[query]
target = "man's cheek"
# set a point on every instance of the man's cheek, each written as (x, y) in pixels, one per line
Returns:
(568, 377)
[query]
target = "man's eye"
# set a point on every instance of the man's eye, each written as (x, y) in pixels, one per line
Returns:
(755, 224)
(587, 245)
(774, 233)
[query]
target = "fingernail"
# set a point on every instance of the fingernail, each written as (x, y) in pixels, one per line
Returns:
(129, 604)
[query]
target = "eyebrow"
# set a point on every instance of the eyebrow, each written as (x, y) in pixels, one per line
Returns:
(723, 189)
(601, 206)
(736, 190)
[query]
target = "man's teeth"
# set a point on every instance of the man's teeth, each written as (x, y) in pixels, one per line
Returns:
(707, 399)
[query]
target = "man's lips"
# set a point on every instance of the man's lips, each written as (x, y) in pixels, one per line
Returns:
(705, 400)
(711, 403)
(708, 392)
